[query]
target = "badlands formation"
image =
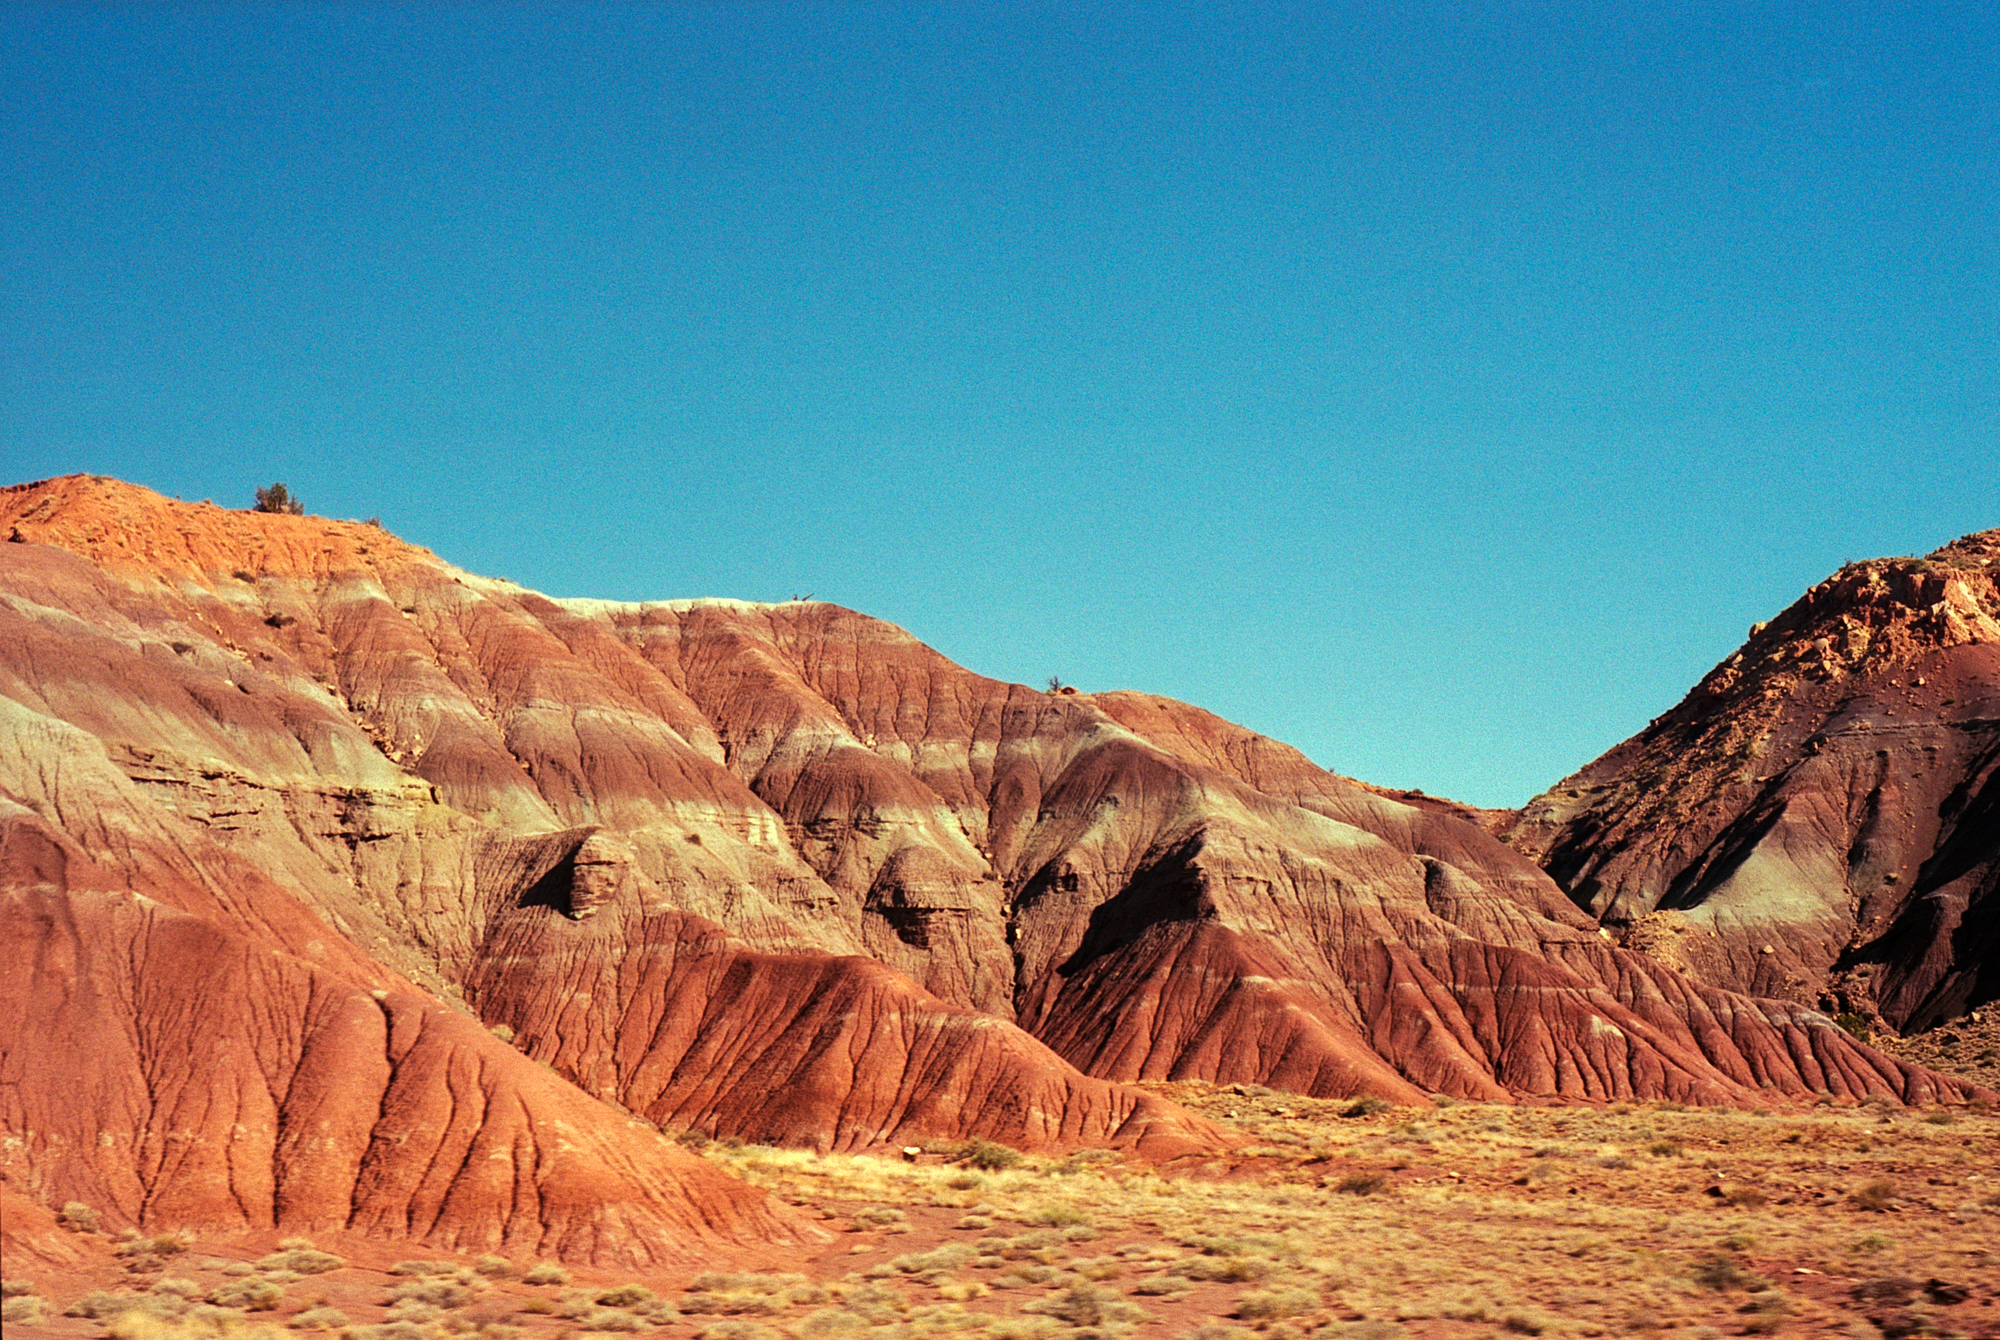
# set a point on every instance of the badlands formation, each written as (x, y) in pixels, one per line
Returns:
(344, 890)
(1819, 820)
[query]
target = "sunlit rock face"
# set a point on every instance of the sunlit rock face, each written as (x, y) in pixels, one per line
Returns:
(370, 837)
(1819, 820)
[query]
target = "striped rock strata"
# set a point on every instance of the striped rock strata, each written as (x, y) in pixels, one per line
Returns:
(1819, 819)
(771, 870)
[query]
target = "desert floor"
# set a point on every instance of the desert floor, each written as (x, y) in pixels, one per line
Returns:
(1334, 1220)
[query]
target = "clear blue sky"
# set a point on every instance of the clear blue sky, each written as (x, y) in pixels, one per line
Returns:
(1439, 388)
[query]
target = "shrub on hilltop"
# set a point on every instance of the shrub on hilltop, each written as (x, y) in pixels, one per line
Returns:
(278, 498)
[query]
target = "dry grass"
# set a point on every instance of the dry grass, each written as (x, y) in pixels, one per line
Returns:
(1343, 1221)
(1471, 1219)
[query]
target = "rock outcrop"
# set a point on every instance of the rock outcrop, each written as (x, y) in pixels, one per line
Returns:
(1819, 819)
(297, 792)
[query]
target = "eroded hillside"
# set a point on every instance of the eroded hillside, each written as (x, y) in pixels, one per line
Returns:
(283, 792)
(1819, 819)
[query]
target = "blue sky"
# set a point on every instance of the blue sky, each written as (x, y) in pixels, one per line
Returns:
(1439, 388)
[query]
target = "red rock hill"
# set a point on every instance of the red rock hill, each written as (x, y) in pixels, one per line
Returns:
(1819, 819)
(299, 821)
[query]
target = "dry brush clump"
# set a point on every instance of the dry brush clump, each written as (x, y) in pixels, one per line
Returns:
(20, 1305)
(301, 1257)
(752, 1294)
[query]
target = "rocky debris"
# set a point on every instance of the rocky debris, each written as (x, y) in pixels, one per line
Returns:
(1819, 820)
(1967, 1046)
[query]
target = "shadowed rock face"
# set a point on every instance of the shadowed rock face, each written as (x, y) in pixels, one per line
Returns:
(770, 870)
(1819, 820)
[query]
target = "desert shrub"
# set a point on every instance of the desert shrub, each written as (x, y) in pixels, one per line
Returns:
(1361, 1183)
(142, 1326)
(828, 1321)
(16, 1288)
(610, 1319)
(1044, 1246)
(306, 1260)
(23, 1310)
(166, 1244)
(1524, 1323)
(1719, 1272)
(1765, 1314)
(1162, 1286)
(1276, 1304)
(1873, 1196)
(744, 1330)
(976, 1221)
(434, 1292)
(278, 498)
(1745, 1197)
(881, 1215)
(1240, 1269)
(99, 1304)
(1083, 1159)
(965, 1181)
(1940, 1119)
(494, 1267)
(1228, 1269)
(422, 1268)
(1664, 1149)
(319, 1319)
(1058, 1215)
(926, 1266)
(1211, 1246)
(545, 1272)
(987, 1155)
(960, 1291)
(1085, 1304)
(78, 1217)
(1097, 1267)
(252, 1295)
(1017, 1274)
(719, 1293)
(1855, 1025)
(415, 1310)
(179, 1287)
(1366, 1106)
(627, 1295)
(575, 1303)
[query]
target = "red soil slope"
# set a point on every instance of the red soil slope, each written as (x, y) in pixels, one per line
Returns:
(1819, 819)
(167, 1062)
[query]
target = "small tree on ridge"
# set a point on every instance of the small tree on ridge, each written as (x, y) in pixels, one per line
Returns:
(278, 498)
